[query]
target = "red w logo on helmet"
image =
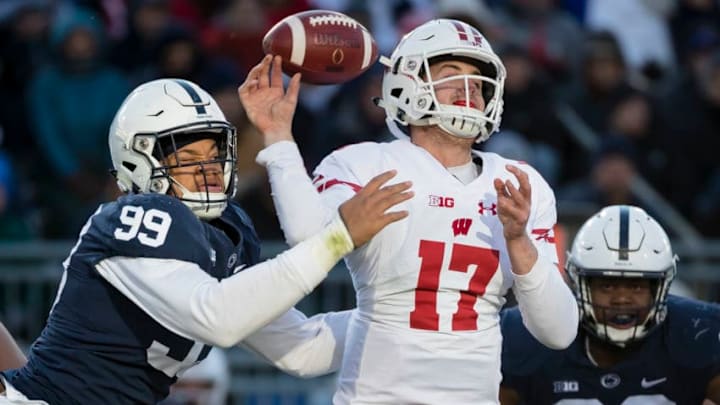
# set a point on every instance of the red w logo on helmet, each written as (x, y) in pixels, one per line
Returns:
(465, 35)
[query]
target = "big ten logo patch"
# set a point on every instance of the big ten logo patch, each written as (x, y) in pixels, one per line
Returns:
(440, 201)
(565, 386)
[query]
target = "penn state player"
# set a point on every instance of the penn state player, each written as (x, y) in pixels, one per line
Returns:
(637, 344)
(429, 290)
(164, 272)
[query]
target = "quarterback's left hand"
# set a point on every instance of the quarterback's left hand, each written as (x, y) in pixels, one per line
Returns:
(513, 204)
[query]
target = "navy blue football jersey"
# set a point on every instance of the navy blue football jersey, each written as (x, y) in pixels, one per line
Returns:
(98, 347)
(672, 366)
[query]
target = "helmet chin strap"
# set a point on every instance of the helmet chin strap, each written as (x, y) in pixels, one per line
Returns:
(450, 125)
(204, 205)
(444, 123)
(621, 337)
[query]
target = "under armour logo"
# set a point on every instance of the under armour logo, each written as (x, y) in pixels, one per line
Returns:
(492, 209)
(461, 226)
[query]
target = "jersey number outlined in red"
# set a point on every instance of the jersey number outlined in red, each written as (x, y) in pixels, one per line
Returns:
(425, 315)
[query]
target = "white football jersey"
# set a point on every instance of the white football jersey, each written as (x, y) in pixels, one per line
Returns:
(429, 288)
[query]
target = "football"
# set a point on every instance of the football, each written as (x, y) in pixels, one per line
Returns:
(327, 47)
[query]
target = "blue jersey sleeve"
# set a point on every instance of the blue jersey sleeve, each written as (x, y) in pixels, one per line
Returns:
(698, 322)
(148, 225)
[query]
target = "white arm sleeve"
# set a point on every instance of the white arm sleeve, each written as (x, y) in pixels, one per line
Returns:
(301, 346)
(300, 209)
(548, 308)
(187, 301)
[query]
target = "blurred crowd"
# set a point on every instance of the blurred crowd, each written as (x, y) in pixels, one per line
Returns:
(598, 92)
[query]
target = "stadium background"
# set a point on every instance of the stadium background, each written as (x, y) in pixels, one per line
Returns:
(613, 101)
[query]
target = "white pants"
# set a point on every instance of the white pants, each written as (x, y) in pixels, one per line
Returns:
(15, 397)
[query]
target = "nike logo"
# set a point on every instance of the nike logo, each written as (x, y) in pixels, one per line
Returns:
(651, 383)
(238, 268)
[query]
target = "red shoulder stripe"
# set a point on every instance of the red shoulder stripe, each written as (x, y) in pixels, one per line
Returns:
(335, 182)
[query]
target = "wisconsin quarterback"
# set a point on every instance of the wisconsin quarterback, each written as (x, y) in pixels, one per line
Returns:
(429, 289)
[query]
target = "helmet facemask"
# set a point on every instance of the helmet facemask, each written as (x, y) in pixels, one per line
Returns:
(462, 119)
(598, 320)
(164, 147)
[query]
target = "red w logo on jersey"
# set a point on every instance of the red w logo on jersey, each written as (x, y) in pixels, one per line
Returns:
(461, 226)
(544, 234)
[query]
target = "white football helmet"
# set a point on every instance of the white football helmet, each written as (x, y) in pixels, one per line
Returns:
(155, 120)
(621, 241)
(408, 96)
